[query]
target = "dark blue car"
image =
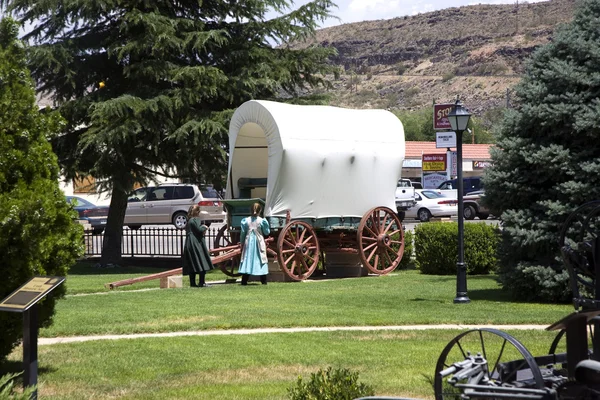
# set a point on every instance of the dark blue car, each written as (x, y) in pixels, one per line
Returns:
(95, 215)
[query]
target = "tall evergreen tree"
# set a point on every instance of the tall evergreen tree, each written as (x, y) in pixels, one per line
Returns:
(38, 235)
(548, 160)
(150, 84)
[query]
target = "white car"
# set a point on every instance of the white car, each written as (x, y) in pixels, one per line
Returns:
(430, 203)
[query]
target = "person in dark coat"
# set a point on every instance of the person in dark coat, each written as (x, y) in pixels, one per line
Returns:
(196, 258)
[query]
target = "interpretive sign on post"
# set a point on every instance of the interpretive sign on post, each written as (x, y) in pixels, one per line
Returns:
(24, 300)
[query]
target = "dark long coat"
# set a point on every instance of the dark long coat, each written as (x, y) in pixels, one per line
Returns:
(196, 257)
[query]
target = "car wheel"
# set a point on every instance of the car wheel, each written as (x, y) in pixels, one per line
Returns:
(424, 215)
(483, 216)
(180, 220)
(469, 212)
(401, 215)
(97, 231)
(134, 227)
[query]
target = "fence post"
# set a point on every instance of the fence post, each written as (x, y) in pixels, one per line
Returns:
(131, 242)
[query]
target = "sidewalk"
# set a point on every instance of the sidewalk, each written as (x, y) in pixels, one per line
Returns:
(74, 339)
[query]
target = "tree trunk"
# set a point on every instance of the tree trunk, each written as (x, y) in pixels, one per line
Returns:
(113, 233)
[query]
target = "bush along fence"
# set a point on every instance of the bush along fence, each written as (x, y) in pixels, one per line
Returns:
(436, 248)
(163, 241)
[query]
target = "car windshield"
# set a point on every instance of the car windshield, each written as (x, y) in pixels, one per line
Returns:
(430, 194)
(79, 202)
(138, 194)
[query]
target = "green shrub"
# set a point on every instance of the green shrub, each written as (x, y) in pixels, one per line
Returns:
(331, 384)
(7, 389)
(38, 235)
(448, 75)
(436, 247)
(407, 259)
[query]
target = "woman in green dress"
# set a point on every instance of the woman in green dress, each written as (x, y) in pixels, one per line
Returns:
(196, 258)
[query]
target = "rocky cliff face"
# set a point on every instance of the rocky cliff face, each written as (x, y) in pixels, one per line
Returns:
(477, 52)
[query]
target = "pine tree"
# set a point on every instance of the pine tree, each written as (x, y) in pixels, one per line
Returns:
(152, 84)
(38, 234)
(548, 159)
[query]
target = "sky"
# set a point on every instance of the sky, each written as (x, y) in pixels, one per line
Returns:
(364, 10)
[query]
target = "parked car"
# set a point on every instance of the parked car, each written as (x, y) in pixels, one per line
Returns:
(169, 203)
(405, 197)
(432, 204)
(472, 206)
(470, 184)
(95, 215)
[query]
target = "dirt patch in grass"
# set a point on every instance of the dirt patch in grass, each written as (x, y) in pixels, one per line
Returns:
(387, 336)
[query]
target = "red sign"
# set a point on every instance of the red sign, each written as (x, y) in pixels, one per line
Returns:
(433, 162)
(440, 116)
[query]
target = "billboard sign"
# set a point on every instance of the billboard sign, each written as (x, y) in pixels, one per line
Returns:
(445, 139)
(440, 116)
(433, 162)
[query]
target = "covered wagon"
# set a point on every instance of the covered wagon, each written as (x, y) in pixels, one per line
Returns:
(326, 177)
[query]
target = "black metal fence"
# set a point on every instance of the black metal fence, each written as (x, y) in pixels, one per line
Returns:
(163, 241)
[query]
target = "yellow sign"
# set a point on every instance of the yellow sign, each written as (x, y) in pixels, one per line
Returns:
(434, 165)
(30, 293)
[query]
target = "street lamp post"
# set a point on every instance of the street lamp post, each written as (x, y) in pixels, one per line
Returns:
(459, 118)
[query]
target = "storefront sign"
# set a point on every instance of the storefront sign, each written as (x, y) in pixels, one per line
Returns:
(431, 180)
(481, 164)
(440, 116)
(434, 162)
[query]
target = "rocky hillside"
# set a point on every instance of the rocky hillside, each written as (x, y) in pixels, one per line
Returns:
(477, 52)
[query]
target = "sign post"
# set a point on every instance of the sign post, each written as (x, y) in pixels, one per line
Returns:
(24, 300)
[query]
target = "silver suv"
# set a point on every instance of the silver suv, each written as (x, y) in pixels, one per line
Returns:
(169, 203)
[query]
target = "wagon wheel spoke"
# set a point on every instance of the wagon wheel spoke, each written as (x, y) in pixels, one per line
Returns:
(293, 256)
(373, 234)
(387, 256)
(293, 265)
(370, 246)
(301, 238)
(306, 267)
(370, 257)
(287, 251)
(290, 244)
(310, 238)
(383, 224)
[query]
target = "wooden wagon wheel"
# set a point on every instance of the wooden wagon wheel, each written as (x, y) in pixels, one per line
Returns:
(380, 240)
(224, 238)
(298, 250)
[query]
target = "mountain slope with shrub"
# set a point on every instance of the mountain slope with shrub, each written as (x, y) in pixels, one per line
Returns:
(477, 52)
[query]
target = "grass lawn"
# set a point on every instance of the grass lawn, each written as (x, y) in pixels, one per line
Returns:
(402, 298)
(263, 366)
(258, 366)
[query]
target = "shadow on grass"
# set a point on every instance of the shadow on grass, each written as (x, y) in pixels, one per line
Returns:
(89, 268)
(16, 367)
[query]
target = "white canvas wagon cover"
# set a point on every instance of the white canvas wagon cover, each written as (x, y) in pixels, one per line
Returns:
(319, 161)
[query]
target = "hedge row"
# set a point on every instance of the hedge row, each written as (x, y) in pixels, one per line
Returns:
(436, 244)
